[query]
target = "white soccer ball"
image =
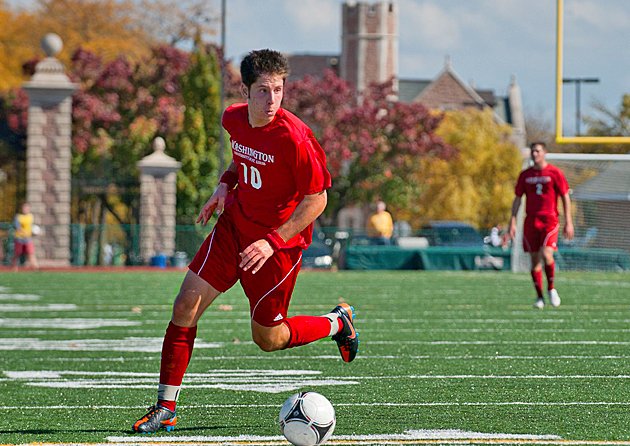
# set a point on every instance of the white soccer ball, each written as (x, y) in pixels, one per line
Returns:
(36, 230)
(307, 419)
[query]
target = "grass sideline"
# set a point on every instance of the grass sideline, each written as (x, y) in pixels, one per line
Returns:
(440, 351)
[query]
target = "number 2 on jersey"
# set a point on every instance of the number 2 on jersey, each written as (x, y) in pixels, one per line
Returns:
(539, 189)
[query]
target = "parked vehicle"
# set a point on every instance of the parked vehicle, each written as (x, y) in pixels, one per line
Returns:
(451, 233)
(319, 254)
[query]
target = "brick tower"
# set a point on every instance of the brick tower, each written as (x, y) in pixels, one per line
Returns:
(369, 43)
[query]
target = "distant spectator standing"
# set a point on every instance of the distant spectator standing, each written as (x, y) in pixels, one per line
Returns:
(380, 225)
(23, 239)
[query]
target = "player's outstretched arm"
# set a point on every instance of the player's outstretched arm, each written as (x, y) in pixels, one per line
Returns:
(228, 181)
(215, 202)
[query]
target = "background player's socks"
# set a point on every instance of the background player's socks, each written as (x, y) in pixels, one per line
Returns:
(537, 278)
(176, 352)
(306, 329)
(550, 272)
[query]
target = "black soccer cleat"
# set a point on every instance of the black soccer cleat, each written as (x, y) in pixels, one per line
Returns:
(156, 418)
(347, 339)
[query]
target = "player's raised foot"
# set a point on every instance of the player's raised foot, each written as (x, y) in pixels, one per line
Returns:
(347, 338)
(156, 418)
(540, 303)
(554, 298)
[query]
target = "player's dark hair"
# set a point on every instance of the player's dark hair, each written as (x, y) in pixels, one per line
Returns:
(538, 143)
(259, 62)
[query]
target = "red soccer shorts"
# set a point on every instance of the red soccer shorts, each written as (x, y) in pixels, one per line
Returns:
(269, 290)
(539, 231)
(21, 247)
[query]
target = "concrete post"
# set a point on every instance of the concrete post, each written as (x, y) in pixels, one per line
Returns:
(158, 174)
(48, 157)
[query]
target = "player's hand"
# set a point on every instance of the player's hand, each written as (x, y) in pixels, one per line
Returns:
(255, 255)
(568, 231)
(215, 202)
(512, 231)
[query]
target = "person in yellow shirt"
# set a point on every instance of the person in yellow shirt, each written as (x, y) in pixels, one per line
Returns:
(23, 239)
(380, 225)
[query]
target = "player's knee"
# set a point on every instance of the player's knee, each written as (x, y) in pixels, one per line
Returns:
(265, 344)
(185, 308)
(268, 342)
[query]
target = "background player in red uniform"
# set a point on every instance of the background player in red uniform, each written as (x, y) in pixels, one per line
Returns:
(542, 184)
(268, 199)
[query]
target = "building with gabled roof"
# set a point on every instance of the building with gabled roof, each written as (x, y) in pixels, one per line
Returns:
(369, 55)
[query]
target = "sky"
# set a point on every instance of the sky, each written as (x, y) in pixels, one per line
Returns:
(487, 41)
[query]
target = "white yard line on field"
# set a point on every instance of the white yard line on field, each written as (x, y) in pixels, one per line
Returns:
(499, 342)
(18, 308)
(19, 297)
(352, 441)
(365, 404)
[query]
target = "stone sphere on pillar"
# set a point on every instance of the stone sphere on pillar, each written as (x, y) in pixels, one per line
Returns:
(52, 44)
(159, 145)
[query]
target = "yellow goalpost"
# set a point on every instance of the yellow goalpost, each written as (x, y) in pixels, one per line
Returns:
(560, 138)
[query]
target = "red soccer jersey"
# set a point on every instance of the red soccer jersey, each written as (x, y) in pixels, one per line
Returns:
(542, 189)
(278, 164)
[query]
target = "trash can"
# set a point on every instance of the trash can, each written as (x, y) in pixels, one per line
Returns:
(180, 260)
(159, 261)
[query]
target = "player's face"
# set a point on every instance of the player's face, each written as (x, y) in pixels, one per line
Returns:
(264, 99)
(538, 155)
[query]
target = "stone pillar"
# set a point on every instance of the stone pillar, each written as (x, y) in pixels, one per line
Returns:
(158, 174)
(48, 155)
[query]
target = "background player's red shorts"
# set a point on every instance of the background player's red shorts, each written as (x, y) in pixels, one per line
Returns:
(269, 290)
(23, 247)
(539, 231)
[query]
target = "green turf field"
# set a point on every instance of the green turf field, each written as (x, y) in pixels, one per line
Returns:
(445, 357)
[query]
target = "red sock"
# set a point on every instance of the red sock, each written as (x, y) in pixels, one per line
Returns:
(306, 329)
(549, 272)
(176, 352)
(537, 278)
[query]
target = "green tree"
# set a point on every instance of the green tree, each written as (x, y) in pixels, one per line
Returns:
(610, 123)
(372, 147)
(197, 146)
(477, 184)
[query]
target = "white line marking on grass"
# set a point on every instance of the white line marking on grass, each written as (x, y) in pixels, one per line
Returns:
(490, 377)
(369, 404)
(66, 323)
(336, 358)
(500, 342)
(19, 297)
(432, 321)
(265, 381)
(198, 380)
(145, 345)
(168, 441)
(17, 308)
(407, 436)
(410, 435)
(512, 330)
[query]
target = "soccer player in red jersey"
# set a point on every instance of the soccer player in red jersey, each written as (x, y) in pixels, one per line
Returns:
(542, 184)
(267, 201)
